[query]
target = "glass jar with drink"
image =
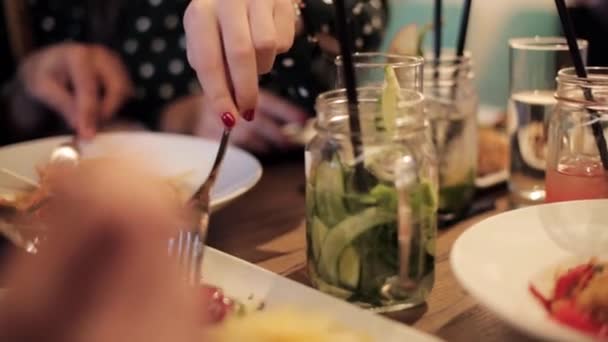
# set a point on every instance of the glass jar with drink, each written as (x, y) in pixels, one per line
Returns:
(534, 63)
(371, 199)
(577, 163)
(370, 70)
(451, 107)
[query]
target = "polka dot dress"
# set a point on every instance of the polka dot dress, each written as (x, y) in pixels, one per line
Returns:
(306, 71)
(149, 36)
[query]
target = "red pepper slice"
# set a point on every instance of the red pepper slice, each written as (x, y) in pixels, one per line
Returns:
(544, 301)
(566, 312)
(568, 282)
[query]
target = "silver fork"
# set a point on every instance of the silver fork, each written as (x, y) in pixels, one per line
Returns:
(188, 247)
(67, 152)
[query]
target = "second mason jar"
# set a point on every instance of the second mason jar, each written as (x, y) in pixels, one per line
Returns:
(577, 162)
(451, 107)
(371, 199)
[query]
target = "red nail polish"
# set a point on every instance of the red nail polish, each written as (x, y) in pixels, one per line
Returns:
(249, 115)
(228, 120)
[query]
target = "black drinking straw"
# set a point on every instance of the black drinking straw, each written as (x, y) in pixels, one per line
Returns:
(437, 23)
(464, 28)
(346, 50)
(581, 72)
(462, 40)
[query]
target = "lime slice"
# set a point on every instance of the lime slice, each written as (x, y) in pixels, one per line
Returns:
(390, 99)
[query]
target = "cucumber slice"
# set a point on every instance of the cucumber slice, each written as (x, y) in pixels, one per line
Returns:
(318, 234)
(349, 268)
(329, 192)
(343, 235)
(325, 287)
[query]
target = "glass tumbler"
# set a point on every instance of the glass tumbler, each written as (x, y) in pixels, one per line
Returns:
(371, 208)
(534, 65)
(451, 105)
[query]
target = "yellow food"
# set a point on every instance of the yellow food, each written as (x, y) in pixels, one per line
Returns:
(594, 297)
(283, 326)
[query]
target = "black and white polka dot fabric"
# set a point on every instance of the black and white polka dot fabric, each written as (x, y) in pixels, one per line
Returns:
(149, 36)
(305, 71)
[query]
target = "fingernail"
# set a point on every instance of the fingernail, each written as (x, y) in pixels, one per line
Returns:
(249, 115)
(228, 120)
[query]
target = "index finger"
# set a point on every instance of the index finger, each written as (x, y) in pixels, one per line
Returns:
(86, 88)
(205, 55)
(240, 54)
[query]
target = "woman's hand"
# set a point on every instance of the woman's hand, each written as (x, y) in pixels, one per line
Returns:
(230, 43)
(103, 274)
(85, 84)
(188, 116)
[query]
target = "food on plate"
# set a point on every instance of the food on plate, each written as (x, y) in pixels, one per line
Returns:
(284, 325)
(28, 200)
(580, 299)
(229, 320)
(23, 214)
(217, 306)
(49, 174)
(493, 152)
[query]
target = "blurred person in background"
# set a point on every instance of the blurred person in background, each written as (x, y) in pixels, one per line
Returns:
(91, 61)
(590, 22)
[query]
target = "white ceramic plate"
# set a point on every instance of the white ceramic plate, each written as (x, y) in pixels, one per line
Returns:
(497, 259)
(171, 155)
(242, 280)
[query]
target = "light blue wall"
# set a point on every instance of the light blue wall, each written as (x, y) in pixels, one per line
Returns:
(492, 70)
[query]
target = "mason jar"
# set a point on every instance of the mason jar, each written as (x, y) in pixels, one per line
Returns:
(451, 107)
(577, 160)
(371, 200)
(371, 67)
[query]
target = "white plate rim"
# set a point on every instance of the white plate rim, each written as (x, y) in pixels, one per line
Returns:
(558, 332)
(217, 202)
(418, 334)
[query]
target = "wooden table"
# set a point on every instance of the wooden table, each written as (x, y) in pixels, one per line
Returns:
(266, 227)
